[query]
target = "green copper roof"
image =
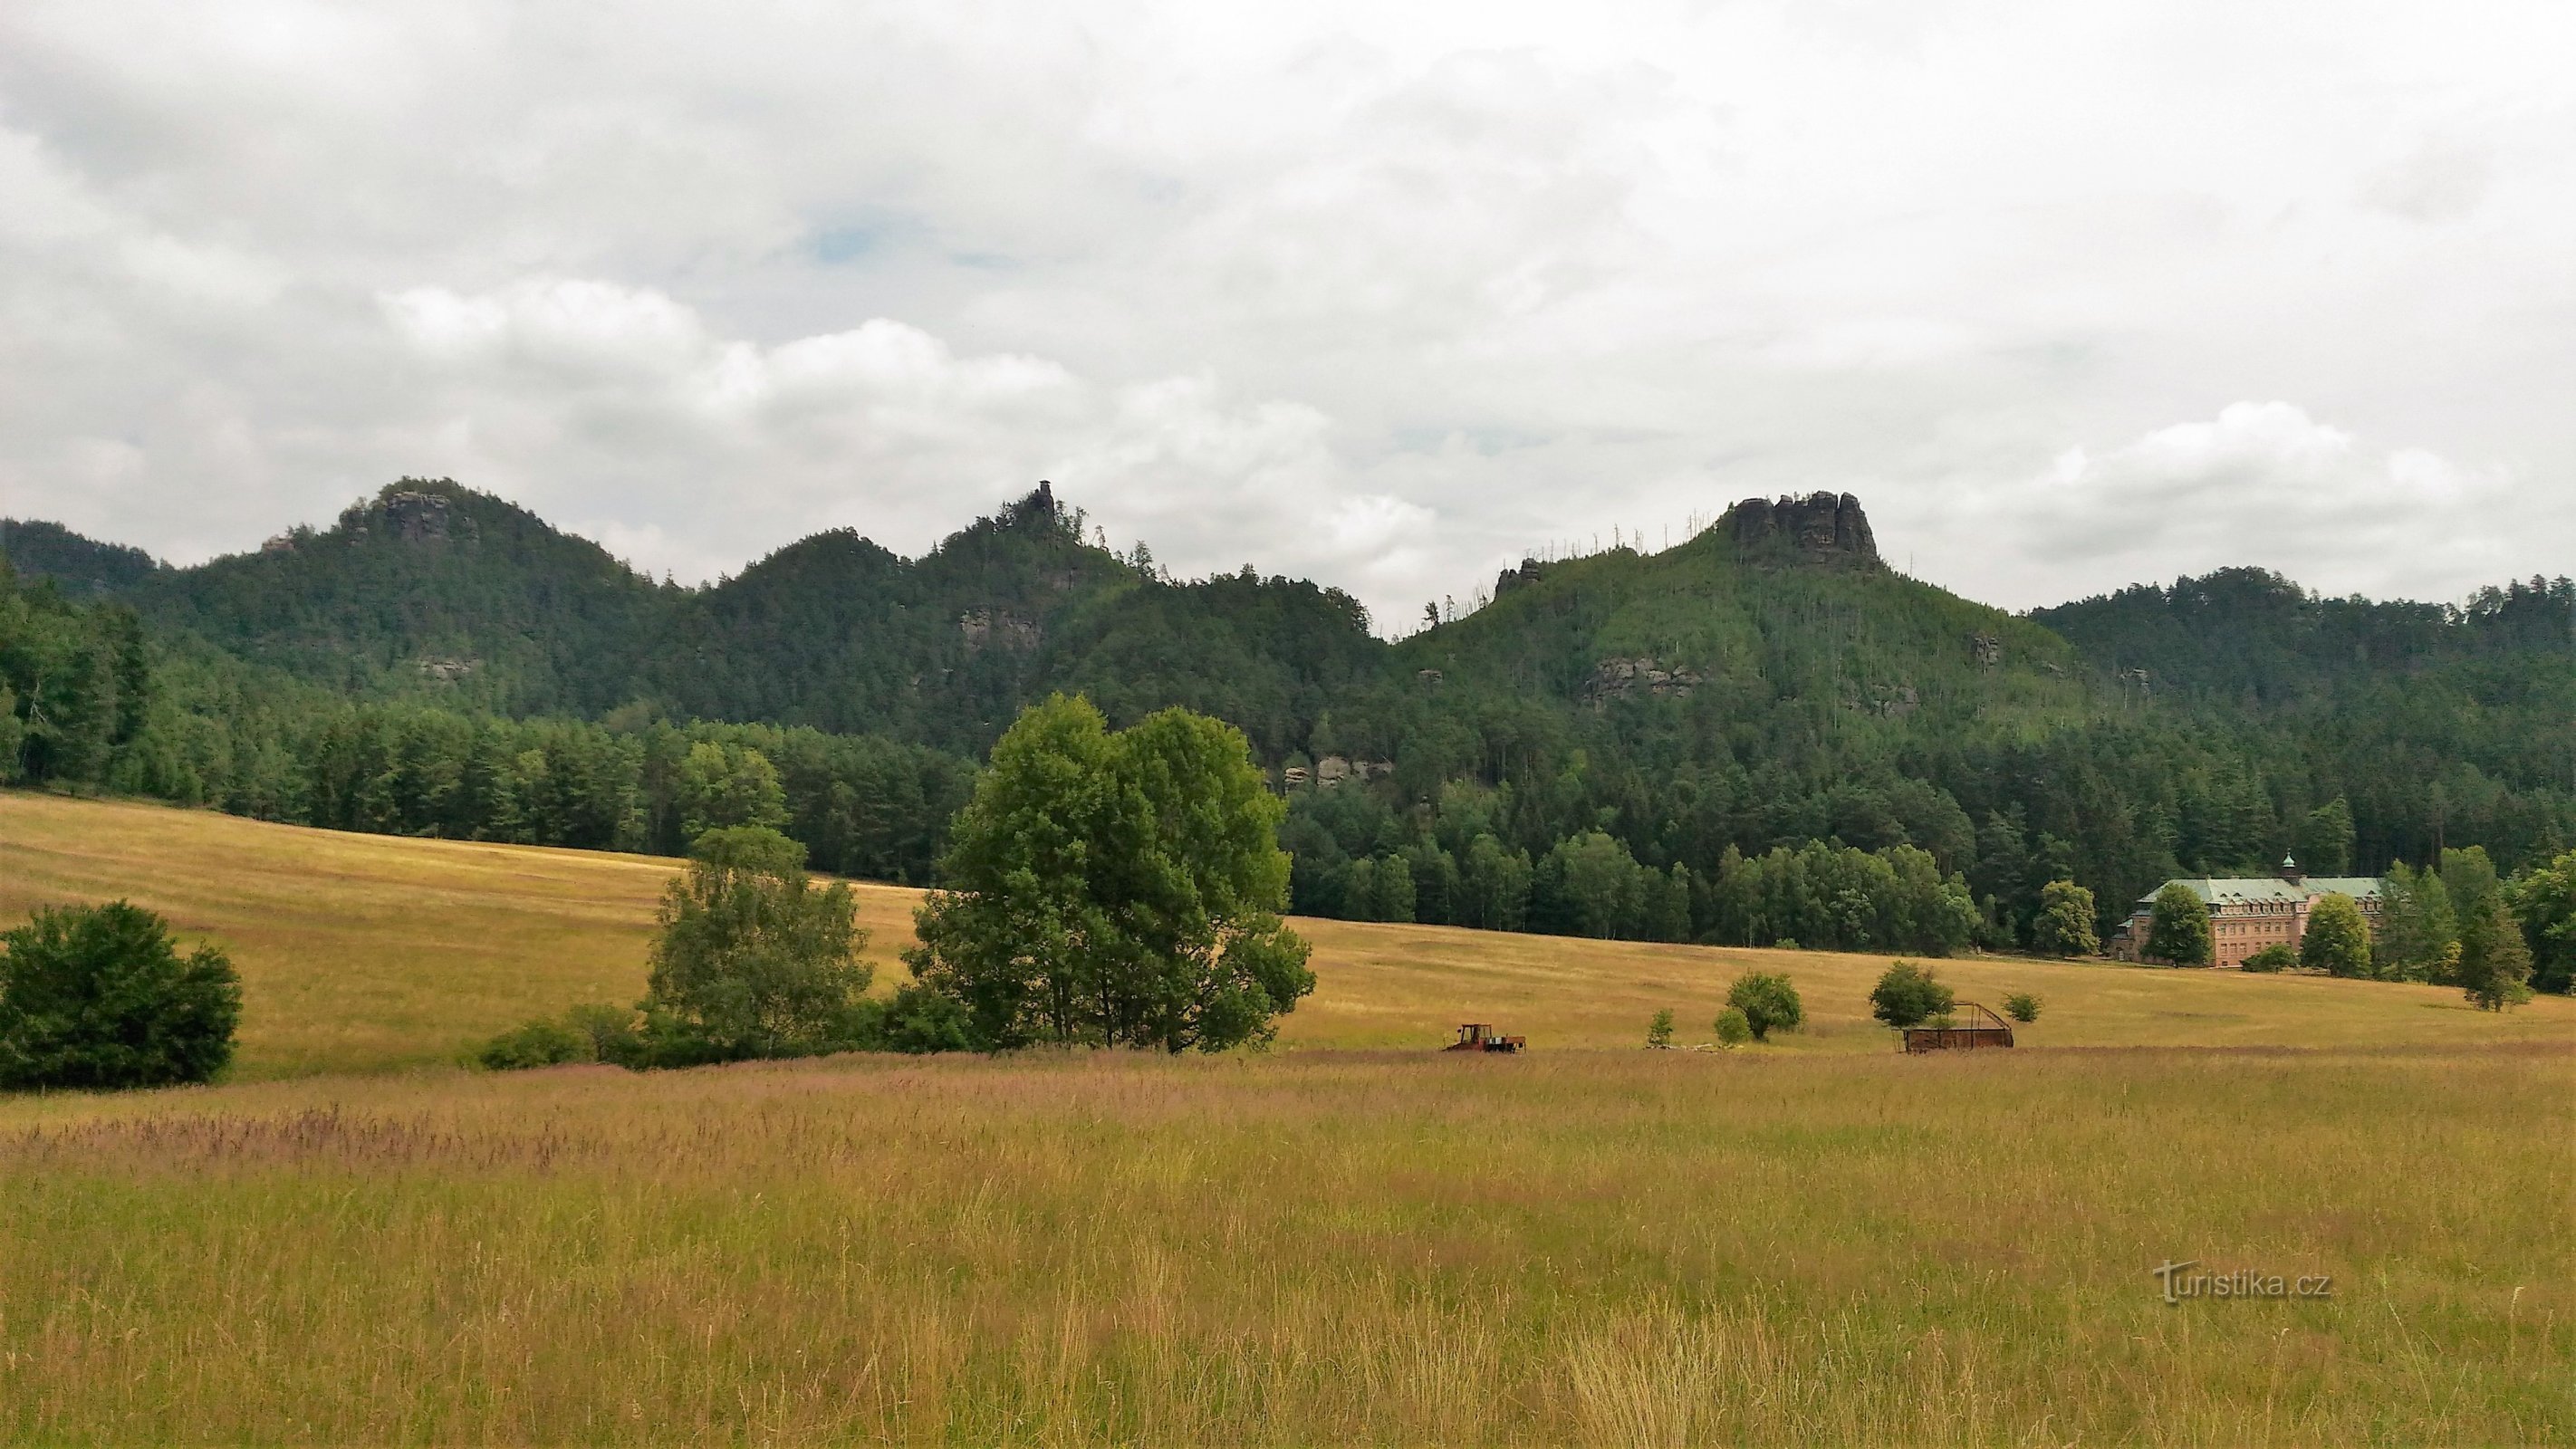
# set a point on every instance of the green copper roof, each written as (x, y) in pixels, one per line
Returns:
(2250, 890)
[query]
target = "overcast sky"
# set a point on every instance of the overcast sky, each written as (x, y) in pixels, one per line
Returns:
(2072, 295)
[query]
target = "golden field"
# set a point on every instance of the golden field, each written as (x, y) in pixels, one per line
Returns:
(1353, 1239)
(366, 952)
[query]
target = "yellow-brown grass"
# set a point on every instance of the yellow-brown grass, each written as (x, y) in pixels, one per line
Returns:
(1820, 1241)
(364, 952)
(1609, 1247)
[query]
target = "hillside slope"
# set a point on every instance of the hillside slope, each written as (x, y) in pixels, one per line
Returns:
(367, 953)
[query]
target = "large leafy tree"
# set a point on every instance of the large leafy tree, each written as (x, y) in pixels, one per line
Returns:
(2064, 925)
(99, 997)
(2495, 963)
(1117, 889)
(2178, 928)
(2337, 939)
(2544, 900)
(754, 960)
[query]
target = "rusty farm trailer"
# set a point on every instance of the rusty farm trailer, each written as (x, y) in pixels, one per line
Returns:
(1992, 1032)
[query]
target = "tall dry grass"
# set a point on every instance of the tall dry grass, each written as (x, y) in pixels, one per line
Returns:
(1631, 1248)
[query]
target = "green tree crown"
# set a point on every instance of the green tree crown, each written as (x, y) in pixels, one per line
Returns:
(99, 997)
(1117, 889)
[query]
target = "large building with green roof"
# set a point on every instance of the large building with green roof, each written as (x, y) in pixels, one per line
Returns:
(2248, 913)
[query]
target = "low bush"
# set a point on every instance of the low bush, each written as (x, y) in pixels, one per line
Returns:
(2275, 957)
(1732, 1028)
(2021, 1006)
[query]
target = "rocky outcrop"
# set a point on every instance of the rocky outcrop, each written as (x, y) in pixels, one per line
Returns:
(448, 671)
(417, 517)
(1333, 770)
(1627, 678)
(1510, 579)
(999, 629)
(405, 516)
(1987, 650)
(1820, 526)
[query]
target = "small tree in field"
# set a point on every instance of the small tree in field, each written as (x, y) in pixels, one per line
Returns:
(2064, 926)
(2178, 928)
(2337, 940)
(1660, 1032)
(1732, 1028)
(1768, 1001)
(2023, 1007)
(99, 997)
(2495, 962)
(753, 960)
(1909, 995)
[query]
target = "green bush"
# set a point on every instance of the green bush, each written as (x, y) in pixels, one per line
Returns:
(537, 1044)
(1768, 1001)
(1908, 995)
(2023, 1007)
(922, 1020)
(1732, 1028)
(1660, 1032)
(2275, 957)
(99, 997)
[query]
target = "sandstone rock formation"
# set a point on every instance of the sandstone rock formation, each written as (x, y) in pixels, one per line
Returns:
(1820, 526)
(1624, 678)
(1000, 629)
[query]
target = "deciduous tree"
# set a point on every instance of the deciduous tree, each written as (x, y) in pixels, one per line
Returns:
(2064, 925)
(1116, 889)
(2178, 928)
(2337, 939)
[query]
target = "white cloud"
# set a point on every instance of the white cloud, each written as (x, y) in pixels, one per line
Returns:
(1382, 294)
(2266, 484)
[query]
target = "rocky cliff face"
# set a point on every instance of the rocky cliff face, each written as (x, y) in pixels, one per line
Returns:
(1820, 525)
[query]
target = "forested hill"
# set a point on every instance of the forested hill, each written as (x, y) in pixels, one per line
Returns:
(1619, 717)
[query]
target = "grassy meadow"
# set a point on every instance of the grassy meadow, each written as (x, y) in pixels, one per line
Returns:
(1352, 1239)
(369, 952)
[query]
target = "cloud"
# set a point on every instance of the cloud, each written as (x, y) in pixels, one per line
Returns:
(1381, 294)
(2266, 484)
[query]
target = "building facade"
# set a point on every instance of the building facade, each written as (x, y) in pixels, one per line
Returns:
(2248, 913)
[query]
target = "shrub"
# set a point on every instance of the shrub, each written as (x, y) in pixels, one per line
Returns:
(537, 1044)
(2023, 1007)
(1768, 1001)
(922, 1020)
(1908, 995)
(1732, 1028)
(1660, 1032)
(2275, 957)
(99, 997)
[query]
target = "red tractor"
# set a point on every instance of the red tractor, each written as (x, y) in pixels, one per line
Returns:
(1478, 1037)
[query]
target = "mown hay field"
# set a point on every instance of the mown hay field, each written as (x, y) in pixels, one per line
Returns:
(1353, 1239)
(367, 952)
